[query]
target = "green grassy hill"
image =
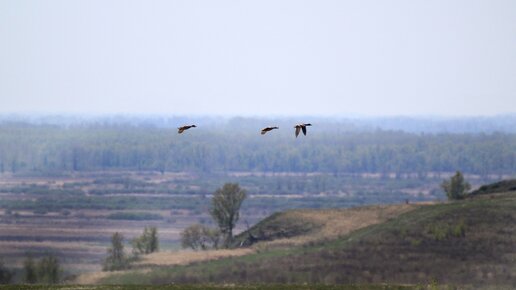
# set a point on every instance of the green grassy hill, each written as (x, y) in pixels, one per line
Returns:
(497, 187)
(469, 242)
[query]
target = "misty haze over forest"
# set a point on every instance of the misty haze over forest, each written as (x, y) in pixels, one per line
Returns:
(413, 124)
(400, 145)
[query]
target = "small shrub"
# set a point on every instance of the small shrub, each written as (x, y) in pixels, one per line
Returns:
(415, 242)
(438, 231)
(48, 270)
(5, 274)
(30, 273)
(200, 237)
(146, 243)
(441, 231)
(459, 230)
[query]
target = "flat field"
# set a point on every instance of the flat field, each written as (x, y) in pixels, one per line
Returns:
(65, 216)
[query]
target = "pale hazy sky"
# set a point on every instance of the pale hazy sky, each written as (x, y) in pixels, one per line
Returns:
(318, 57)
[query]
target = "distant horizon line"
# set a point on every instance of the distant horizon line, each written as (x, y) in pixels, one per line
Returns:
(231, 116)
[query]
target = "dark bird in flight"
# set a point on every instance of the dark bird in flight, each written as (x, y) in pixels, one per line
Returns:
(183, 128)
(301, 127)
(267, 129)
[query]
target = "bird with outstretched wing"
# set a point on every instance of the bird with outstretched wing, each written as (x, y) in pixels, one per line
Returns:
(184, 128)
(267, 129)
(301, 127)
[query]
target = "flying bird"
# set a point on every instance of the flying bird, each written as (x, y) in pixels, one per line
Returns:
(183, 128)
(267, 129)
(300, 127)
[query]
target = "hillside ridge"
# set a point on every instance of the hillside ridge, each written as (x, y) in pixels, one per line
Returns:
(300, 226)
(468, 242)
(497, 187)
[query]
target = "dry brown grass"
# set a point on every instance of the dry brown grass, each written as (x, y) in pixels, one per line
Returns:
(187, 257)
(164, 259)
(93, 277)
(337, 222)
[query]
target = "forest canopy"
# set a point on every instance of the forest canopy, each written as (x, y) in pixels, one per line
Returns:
(238, 146)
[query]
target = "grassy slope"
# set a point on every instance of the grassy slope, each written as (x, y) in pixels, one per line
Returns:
(497, 187)
(301, 226)
(467, 242)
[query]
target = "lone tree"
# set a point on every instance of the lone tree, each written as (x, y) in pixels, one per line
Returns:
(456, 187)
(225, 206)
(116, 259)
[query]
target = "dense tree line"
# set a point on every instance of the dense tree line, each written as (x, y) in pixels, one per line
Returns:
(51, 149)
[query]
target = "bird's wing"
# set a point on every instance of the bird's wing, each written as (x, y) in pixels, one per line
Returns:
(180, 130)
(264, 131)
(297, 130)
(304, 130)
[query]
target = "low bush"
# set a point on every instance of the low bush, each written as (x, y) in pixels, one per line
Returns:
(442, 231)
(200, 237)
